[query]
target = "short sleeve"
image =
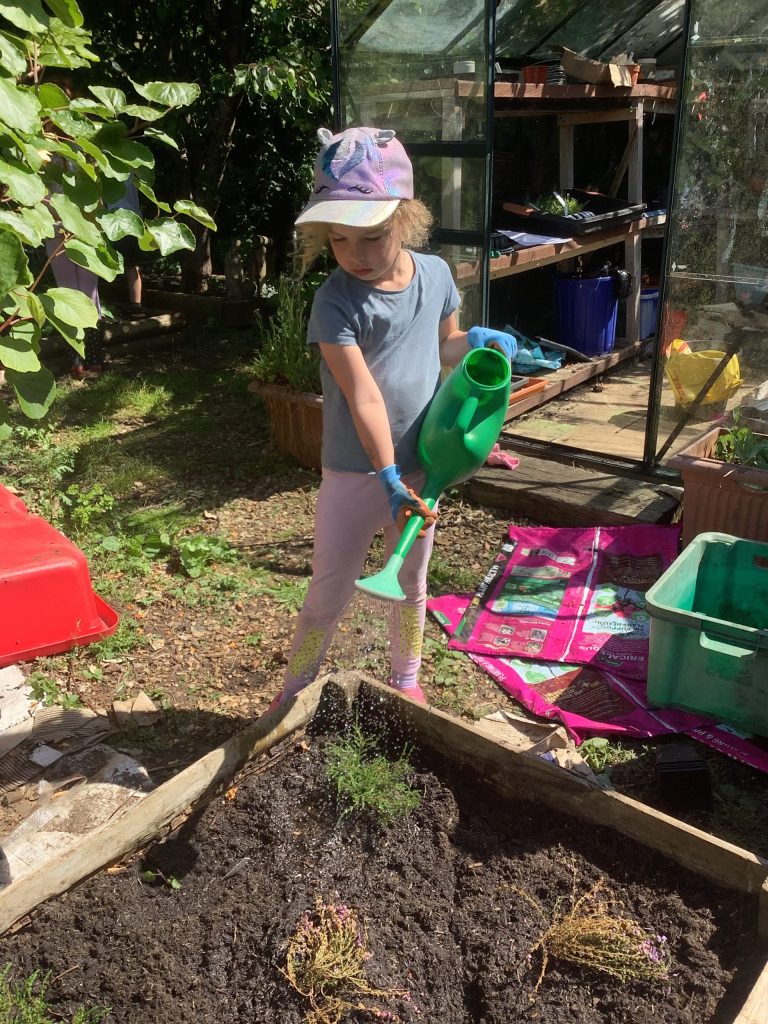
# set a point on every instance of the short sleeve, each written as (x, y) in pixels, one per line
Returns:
(329, 321)
(452, 297)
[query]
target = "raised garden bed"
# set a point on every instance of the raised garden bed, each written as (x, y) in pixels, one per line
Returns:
(447, 893)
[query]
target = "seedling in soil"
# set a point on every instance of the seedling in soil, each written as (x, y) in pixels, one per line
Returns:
(24, 1002)
(50, 693)
(325, 964)
(367, 782)
(155, 877)
(593, 933)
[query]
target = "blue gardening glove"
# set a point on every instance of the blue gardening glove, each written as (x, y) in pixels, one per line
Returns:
(487, 337)
(403, 502)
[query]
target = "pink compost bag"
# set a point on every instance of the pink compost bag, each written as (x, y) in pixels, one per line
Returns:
(570, 595)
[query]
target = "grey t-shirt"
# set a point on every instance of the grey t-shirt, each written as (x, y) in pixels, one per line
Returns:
(398, 333)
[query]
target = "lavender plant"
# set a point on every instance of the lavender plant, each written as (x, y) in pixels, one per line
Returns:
(593, 933)
(325, 963)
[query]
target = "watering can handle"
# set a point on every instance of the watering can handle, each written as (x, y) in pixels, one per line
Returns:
(466, 412)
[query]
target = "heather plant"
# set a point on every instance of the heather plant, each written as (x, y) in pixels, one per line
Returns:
(368, 782)
(593, 932)
(325, 963)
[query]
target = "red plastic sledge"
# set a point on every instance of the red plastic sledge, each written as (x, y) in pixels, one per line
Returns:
(47, 604)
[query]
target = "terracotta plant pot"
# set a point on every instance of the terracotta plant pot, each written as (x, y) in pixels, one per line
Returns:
(296, 422)
(719, 497)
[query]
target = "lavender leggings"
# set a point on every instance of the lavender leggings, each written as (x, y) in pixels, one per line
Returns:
(351, 509)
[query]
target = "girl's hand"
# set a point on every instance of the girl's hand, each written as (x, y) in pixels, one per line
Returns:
(486, 337)
(403, 502)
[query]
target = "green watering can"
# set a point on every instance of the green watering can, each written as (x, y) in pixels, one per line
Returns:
(462, 424)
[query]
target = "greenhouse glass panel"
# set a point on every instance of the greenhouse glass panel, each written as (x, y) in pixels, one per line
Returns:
(421, 68)
(522, 24)
(714, 338)
(595, 26)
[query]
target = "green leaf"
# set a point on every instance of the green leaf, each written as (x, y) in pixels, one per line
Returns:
(73, 123)
(111, 139)
(190, 209)
(90, 107)
(5, 422)
(73, 220)
(27, 15)
(169, 94)
(100, 260)
(83, 192)
(158, 136)
(113, 99)
(34, 391)
(147, 190)
(14, 269)
(23, 226)
(66, 11)
(12, 57)
(70, 307)
(23, 185)
(170, 235)
(17, 351)
(143, 113)
(118, 223)
(30, 305)
(19, 107)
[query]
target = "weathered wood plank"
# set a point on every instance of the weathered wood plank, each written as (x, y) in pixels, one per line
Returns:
(552, 493)
(148, 818)
(755, 1010)
(523, 776)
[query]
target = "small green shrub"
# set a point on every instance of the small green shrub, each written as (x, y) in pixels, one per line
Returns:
(284, 356)
(24, 1002)
(550, 205)
(367, 782)
(741, 446)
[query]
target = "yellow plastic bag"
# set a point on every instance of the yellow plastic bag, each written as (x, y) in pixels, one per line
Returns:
(688, 372)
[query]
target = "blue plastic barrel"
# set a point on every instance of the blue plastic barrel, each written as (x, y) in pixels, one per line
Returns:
(587, 309)
(649, 312)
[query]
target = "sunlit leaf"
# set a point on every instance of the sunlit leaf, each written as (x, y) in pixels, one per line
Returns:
(169, 94)
(19, 107)
(34, 391)
(190, 209)
(170, 235)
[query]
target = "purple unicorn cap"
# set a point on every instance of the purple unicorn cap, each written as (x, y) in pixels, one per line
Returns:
(360, 177)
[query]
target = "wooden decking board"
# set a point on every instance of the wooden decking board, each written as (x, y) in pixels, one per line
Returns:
(553, 494)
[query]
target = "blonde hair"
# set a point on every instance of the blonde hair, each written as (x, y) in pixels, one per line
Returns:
(411, 218)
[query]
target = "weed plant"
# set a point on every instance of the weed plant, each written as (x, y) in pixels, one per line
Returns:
(24, 1002)
(593, 932)
(325, 963)
(367, 782)
(740, 446)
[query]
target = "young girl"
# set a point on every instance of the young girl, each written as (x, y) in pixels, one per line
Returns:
(385, 322)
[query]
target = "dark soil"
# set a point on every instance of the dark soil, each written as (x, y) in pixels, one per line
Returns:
(439, 893)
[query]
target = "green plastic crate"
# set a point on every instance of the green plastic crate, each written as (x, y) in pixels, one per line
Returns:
(709, 632)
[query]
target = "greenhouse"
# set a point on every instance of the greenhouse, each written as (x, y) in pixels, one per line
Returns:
(651, 118)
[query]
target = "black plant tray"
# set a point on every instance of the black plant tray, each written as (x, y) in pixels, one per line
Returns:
(608, 213)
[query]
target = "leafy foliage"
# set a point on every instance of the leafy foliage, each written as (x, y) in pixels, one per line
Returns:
(366, 781)
(741, 446)
(246, 147)
(24, 1002)
(284, 356)
(63, 159)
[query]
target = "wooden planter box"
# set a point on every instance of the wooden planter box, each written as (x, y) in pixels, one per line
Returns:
(296, 422)
(507, 771)
(720, 497)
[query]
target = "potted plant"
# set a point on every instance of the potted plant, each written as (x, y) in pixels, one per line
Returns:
(725, 482)
(287, 377)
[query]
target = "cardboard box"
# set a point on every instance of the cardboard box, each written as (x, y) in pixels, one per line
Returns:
(594, 71)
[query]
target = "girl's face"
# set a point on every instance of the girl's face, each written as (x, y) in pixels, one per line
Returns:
(371, 254)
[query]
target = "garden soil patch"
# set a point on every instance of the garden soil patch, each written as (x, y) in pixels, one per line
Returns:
(440, 893)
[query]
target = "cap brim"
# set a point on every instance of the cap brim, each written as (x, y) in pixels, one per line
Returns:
(358, 213)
